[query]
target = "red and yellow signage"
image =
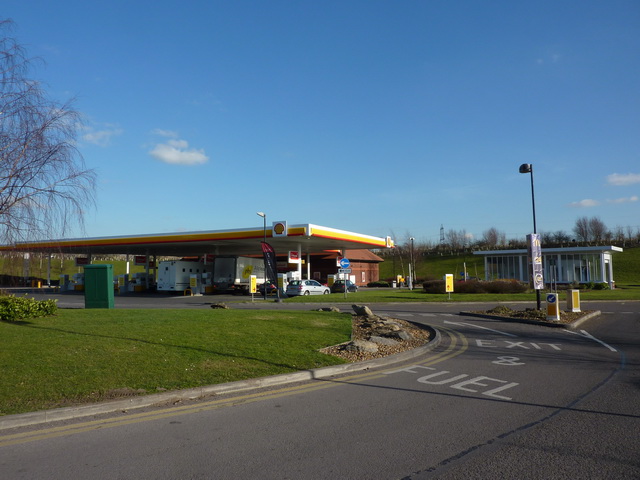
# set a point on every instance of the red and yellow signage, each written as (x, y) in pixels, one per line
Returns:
(448, 282)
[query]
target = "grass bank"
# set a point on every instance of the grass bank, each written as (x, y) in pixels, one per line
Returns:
(80, 356)
(626, 266)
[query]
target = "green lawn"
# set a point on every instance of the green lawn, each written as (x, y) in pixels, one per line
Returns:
(384, 295)
(81, 356)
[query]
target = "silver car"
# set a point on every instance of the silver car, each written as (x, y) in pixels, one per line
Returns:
(306, 287)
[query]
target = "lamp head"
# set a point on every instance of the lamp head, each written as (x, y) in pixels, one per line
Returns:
(261, 214)
(526, 168)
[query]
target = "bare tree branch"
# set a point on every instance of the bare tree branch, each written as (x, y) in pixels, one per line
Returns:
(44, 186)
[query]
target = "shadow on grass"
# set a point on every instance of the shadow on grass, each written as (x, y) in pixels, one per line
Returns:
(24, 323)
(149, 342)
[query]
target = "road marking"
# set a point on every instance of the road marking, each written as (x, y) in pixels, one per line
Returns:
(508, 361)
(510, 344)
(586, 334)
(483, 328)
(463, 385)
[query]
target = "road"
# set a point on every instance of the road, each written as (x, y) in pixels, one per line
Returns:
(493, 400)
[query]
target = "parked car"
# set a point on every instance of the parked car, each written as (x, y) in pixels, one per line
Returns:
(271, 288)
(338, 286)
(306, 287)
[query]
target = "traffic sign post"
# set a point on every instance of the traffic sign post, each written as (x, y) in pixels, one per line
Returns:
(344, 269)
(553, 309)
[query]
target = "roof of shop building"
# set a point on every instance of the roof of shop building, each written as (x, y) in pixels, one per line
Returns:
(311, 238)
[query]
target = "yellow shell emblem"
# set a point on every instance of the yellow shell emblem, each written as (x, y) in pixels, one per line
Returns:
(248, 270)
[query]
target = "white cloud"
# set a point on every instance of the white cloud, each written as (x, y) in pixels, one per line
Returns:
(102, 138)
(634, 198)
(165, 133)
(622, 180)
(177, 152)
(586, 203)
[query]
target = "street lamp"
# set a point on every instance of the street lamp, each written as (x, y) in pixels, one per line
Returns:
(412, 267)
(528, 168)
(264, 218)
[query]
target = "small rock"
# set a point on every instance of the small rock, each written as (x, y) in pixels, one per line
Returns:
(362, 310)
(328, 309)
(361, 346)
(383, 341)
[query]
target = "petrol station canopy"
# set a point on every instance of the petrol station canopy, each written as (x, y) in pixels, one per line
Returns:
(306, 238)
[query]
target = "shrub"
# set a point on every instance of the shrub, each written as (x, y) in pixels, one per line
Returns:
(506, 286)
(379, 284)
(13, 309)
(434, 286)
(601, 286)
(476, 286)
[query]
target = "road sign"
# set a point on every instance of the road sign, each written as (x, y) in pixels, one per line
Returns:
(344, 270)
(344, 262)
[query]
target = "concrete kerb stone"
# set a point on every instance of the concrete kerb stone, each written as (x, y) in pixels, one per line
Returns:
(568, 326)
(158, 399)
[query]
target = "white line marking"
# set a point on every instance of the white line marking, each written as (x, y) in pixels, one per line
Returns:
(483, 328)
(586, 334)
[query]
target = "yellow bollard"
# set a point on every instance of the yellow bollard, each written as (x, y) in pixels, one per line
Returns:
(573, 300)
(553, 312)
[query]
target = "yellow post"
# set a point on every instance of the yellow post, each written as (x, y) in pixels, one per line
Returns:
(573, 300)
(448, 283)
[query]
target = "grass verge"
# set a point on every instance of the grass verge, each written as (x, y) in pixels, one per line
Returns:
(623, 292)
(80, 356)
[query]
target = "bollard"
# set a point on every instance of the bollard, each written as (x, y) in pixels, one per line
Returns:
(553, 312)
(573, 300)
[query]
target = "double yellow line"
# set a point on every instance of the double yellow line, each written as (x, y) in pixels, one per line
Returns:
(458, 344)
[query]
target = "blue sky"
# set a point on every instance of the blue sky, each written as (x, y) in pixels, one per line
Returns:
(379, 117)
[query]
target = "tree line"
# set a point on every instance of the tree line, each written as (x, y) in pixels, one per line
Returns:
(586, 232)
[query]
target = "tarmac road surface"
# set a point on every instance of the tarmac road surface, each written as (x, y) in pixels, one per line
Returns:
(492, 400)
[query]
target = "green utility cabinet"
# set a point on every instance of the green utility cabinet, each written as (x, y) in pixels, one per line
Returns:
(98, 286)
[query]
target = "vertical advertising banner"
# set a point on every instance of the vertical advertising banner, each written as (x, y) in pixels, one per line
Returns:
(448, 282)
(534, 249)
(270, 262)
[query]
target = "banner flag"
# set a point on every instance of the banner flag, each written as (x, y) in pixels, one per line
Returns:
(534, 248)
(270, 262)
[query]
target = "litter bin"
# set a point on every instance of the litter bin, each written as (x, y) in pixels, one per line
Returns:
(98, 286)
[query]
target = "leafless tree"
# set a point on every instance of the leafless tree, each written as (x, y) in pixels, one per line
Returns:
(493, 237)
(581, 229)
(457, 239)
(598, 230)
(44, 186)
(617, 235)
(591, 230)
(558, 238)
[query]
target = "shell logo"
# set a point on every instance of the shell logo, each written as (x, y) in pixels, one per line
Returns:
(279, 229)
(248, 270)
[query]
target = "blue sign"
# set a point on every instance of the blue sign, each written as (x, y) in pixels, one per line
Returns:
(344, 263)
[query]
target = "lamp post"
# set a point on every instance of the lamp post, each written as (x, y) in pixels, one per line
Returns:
(412, 267)
(528, 168)
(264, 218)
